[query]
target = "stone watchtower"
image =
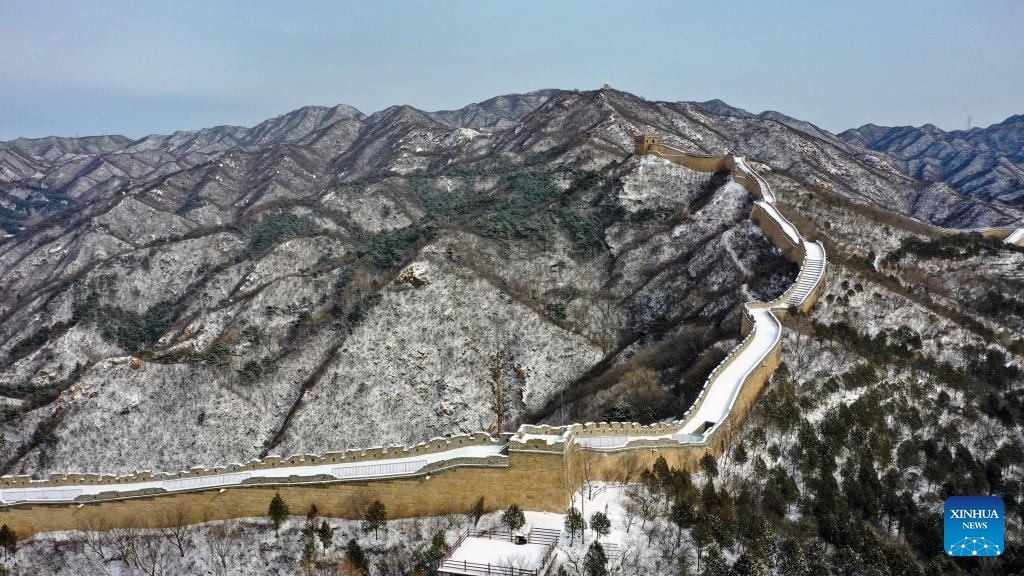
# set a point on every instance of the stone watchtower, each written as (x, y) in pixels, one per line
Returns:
(644, 142)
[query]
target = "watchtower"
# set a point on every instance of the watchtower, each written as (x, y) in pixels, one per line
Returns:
(644, 142)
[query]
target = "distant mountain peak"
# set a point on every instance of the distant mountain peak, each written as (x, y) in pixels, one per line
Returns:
(985, 163)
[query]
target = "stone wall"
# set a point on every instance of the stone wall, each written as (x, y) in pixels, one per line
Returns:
(433, 446)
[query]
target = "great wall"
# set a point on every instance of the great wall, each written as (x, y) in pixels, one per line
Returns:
(538, 467)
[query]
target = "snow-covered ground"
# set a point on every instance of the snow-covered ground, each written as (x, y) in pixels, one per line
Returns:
(720, 392)
(713, 405)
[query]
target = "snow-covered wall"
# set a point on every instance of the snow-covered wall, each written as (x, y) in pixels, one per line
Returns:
(748, 366)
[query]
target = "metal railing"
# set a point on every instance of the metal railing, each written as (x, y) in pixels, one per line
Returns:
(40, 495)
(539, 536)
(204, 481)
(382, 469)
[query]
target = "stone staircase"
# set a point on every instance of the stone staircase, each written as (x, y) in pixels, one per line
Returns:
(808, 278)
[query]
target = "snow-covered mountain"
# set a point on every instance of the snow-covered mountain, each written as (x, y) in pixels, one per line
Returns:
(328, 279)
(984, 163)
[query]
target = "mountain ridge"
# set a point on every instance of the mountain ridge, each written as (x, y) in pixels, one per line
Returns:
(261, 272)
(987, 163)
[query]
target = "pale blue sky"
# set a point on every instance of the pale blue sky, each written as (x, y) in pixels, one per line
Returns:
(136, 68)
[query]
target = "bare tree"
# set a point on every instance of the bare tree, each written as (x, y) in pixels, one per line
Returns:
(607, 321)
(500, 404)
(220, 540)
(586, 463)
(630, 467)
(630, 561)
(151, 556)
(640, 499)
(178, 532)
(95, 543)
(126, 545)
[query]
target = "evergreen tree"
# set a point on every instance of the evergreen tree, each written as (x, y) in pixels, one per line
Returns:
(513, 518)
(619, 411)
(709, 496)
(739, 454)
(709, 465)
(749, 565)
(761, 541)
(8, 540)
(431, 559)
(662, 474)
(574, 524)
(326, 534)
(601, 524)
(309, 530)
(427, 559)
(941, 565)
(683, 568)
(727, 516)
(792, 560)
(354, 553)
(819, 562)
(376, 518)
(714, 563)
(702, 538)
(682, 514)
(439, 545)
(308, 551)
(278, 511)
(595, 563)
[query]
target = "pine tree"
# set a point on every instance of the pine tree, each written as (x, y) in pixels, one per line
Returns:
(739, 454)
(792, 560)
(709, 465)
(702, 538)
(513, 518)
(727, 517)
(354, 553)
(601, 524)
(278, 511)
(8, 540)
(661, 472)
(682, 515)
(574, 524)
(819, 561)
(748, 565)
(595, 563)
(684, 568)
(376, 518)
(714, 563)
(326, 534)
(309, 530)
(761, 544)
(432, 557)
(308, 551)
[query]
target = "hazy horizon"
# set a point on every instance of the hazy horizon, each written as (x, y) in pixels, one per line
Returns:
(123, 68)
(371, 112)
